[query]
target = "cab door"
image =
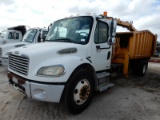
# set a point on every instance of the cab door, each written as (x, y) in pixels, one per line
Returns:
(101, 50)
(17, 37)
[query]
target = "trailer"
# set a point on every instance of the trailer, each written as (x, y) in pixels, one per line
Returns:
(134, 48)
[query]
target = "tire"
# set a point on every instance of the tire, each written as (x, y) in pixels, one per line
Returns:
(143, 66)
(78, 92)
(139, 67)
(134, 67)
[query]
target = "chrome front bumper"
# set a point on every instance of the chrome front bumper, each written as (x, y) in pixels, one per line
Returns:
(38, 91)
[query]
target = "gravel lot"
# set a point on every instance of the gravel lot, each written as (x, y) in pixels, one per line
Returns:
(131, 98)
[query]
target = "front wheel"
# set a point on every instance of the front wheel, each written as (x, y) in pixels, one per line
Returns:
(78, 92)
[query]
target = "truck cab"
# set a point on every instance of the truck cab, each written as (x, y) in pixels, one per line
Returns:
(12, 34)
(9, 36)
(34, 35)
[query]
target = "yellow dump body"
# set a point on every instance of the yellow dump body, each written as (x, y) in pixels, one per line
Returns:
(133, 45)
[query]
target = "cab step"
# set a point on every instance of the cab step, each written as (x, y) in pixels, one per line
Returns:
(102, 75)
(103, 81)
(105, 86)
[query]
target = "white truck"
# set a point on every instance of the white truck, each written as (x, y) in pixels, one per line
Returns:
(34, 35)
(73, 63)
(12, 34)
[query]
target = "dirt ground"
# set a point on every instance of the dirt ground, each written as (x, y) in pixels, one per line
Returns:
(131, 98)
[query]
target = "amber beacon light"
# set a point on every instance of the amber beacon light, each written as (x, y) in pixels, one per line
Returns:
(105, 14)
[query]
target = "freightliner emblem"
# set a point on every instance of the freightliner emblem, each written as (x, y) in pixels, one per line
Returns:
(16, 52)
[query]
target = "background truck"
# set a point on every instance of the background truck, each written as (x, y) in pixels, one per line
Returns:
(78, 58)
(12, 34)
(34, 35)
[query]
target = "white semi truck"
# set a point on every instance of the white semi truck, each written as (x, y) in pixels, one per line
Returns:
(34, 35)
(12, 34)
(75, 61)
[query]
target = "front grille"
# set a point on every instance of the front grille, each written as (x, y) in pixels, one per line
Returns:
(0, 52)
(19, 64)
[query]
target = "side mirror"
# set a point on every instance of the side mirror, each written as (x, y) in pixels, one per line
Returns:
(110, 42)
(49, 26)
(44, 38)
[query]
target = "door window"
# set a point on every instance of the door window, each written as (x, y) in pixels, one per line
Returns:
(10, 35)
(17, 35)
(101, 33)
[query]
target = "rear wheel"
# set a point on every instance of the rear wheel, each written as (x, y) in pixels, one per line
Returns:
(134, 66)
(78, 92)
(139, 67)
(143, 65)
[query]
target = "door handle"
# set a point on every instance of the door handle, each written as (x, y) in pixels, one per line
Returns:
(108, 56)
(99, 47)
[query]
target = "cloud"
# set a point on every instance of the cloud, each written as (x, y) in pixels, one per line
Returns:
(83, 6)
(6, 2)
(145, 14)
(150, 22)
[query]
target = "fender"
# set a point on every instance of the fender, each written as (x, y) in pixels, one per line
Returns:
(70, 63)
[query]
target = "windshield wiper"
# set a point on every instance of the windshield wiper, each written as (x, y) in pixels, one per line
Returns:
(62, 40)
(26, 40)
(49, 40)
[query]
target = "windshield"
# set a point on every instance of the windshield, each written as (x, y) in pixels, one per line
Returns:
(3, 34)
(75, 30)
(29, 35)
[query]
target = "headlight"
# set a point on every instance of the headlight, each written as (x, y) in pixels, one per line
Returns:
(51, 70)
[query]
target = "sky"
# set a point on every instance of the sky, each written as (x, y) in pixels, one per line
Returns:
(145, 14)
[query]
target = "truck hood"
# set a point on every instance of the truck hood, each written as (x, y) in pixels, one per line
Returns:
(6, 47)
(50, 49)
(48, 54)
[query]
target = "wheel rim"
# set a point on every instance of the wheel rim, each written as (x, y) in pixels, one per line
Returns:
(144, 69)
(81, 91)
